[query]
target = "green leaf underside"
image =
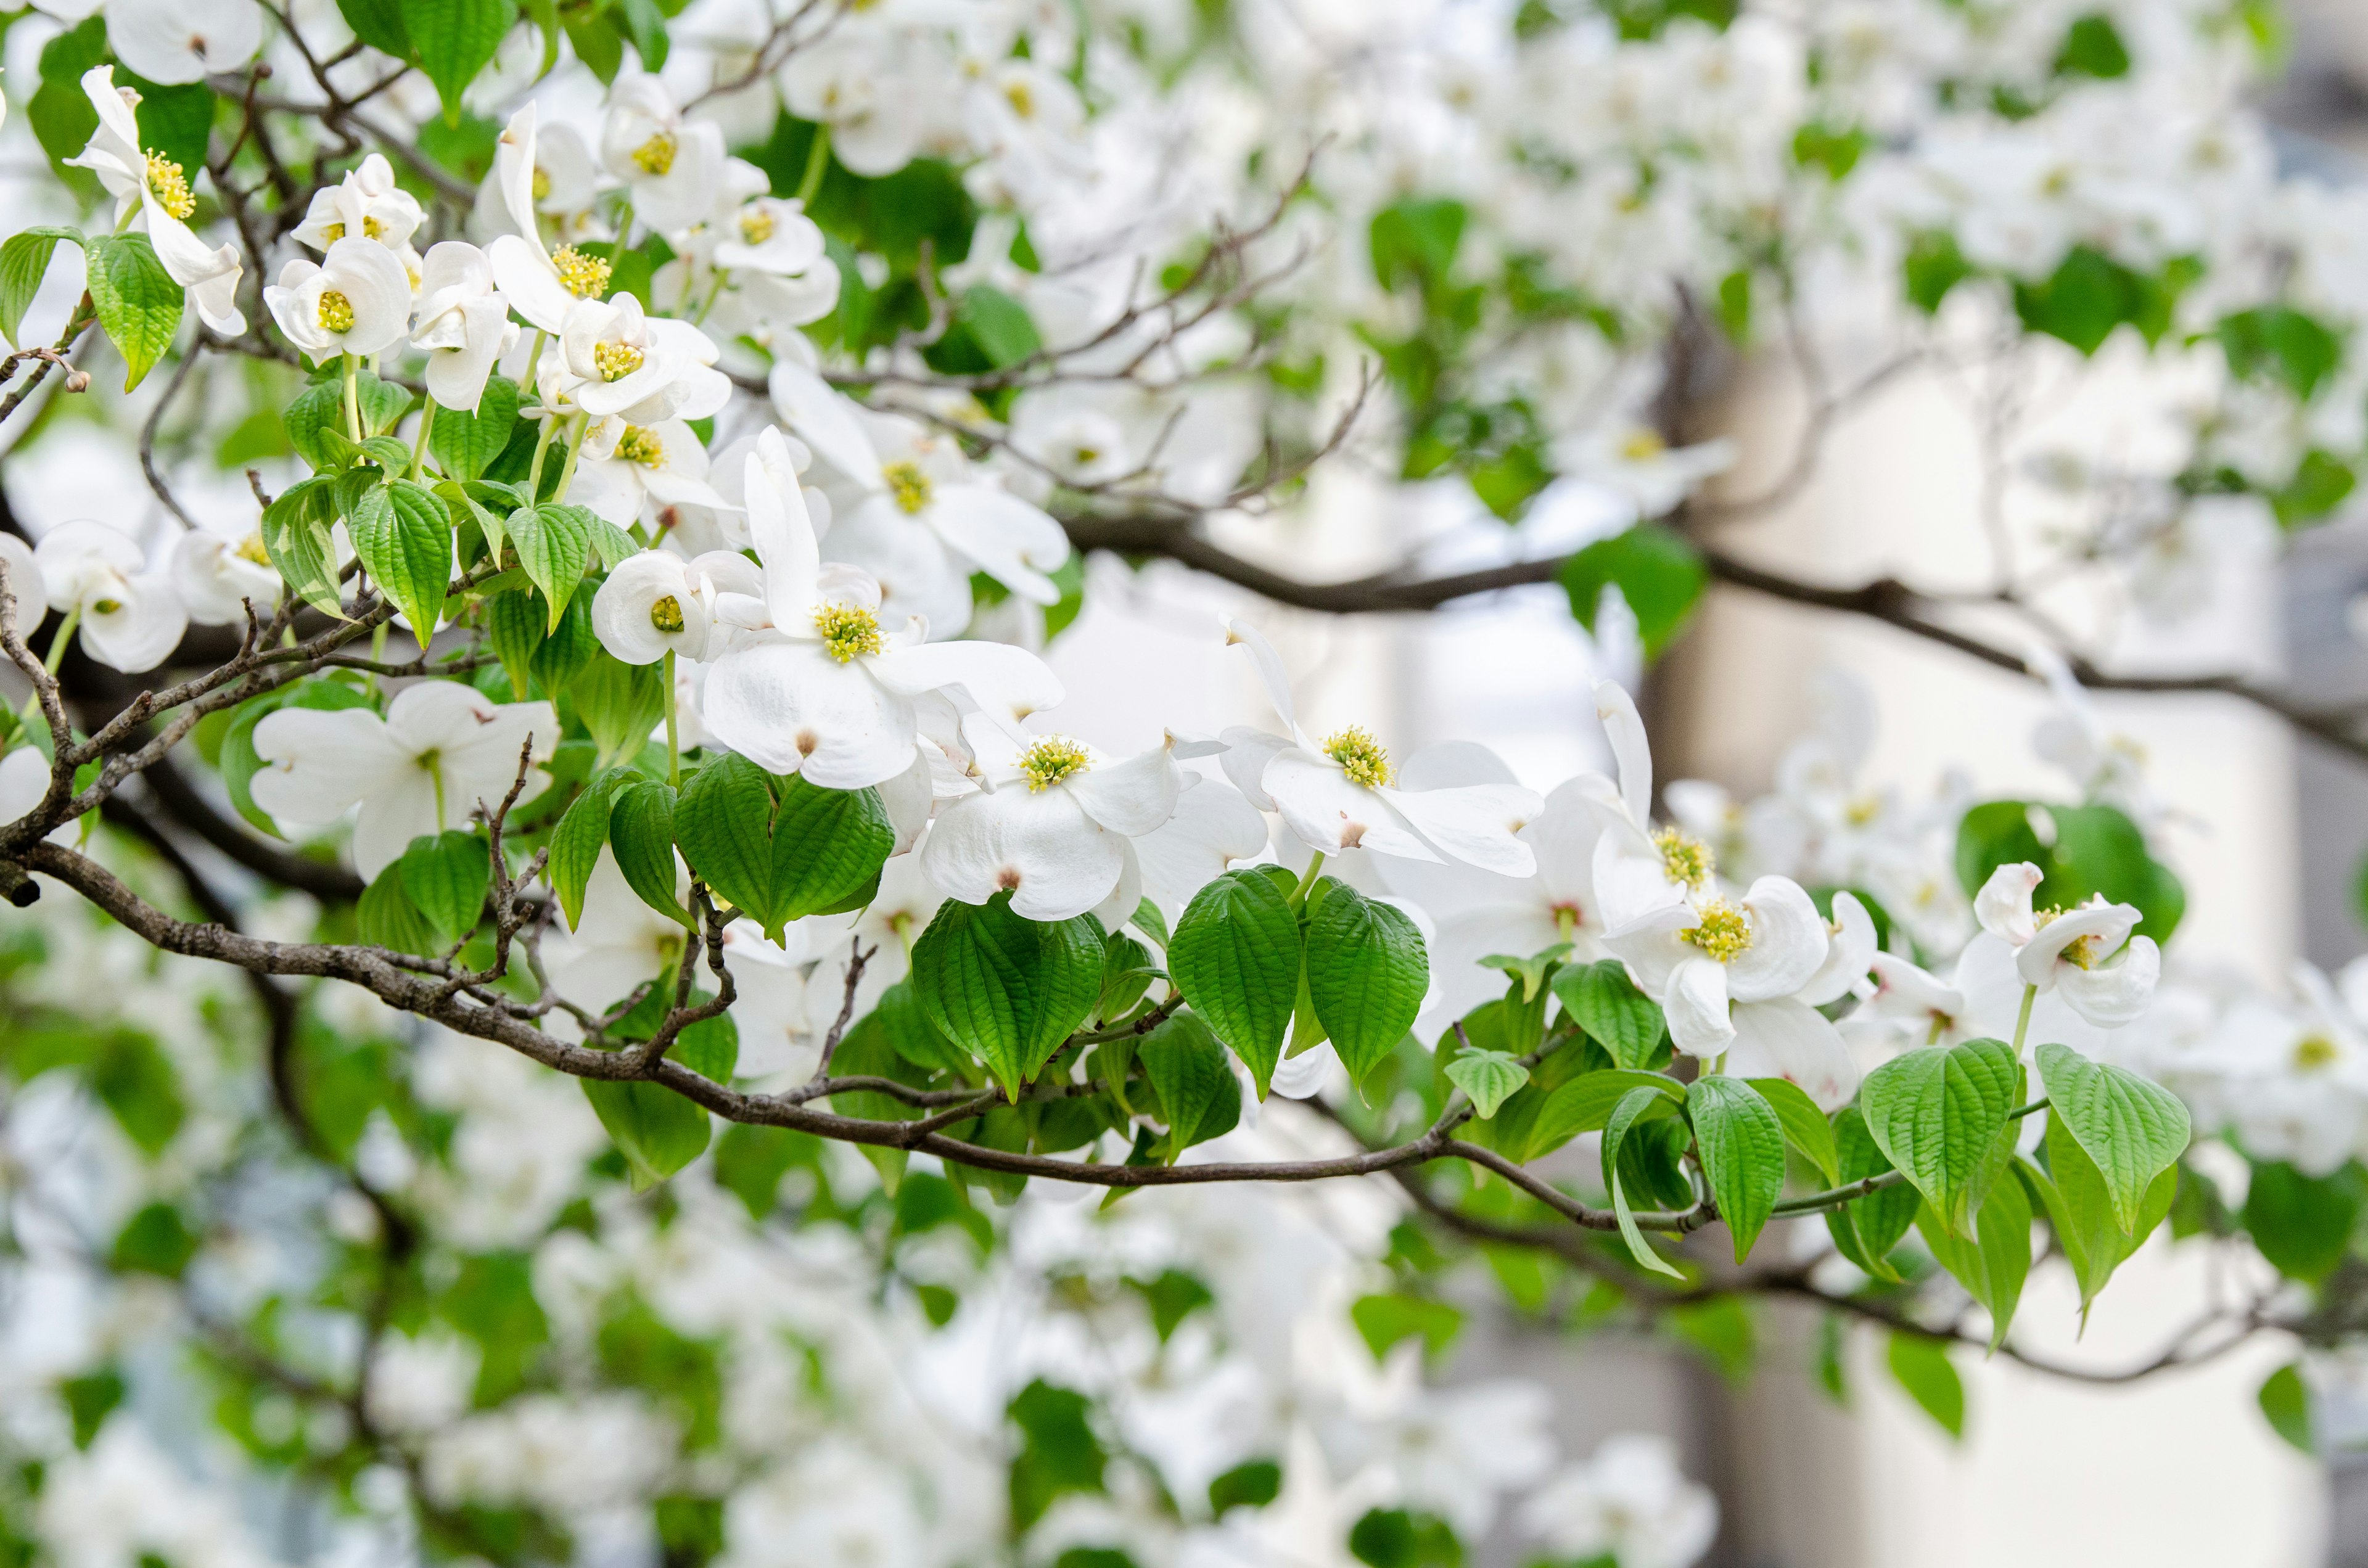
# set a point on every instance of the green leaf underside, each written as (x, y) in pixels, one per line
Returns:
(2132, 1130)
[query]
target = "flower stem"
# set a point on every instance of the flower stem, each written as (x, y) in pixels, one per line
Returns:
(2023, 1019)
(674, 746)
(64, 635)
(419, 447)
(713, 294)
(1299, 894)
(574, 445)
(817, 163)
(354, 398)
(534, 470)
(534, 358)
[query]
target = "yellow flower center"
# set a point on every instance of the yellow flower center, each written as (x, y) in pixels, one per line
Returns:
(757, 226)
(333, 234)
(1724, 931)
(2314, 1052)
(107, 606)
(541, 184)
(655, 156)
(374, 229)
(1643, 446)
(667, 614)
(336, 312)
(617, 360)
(1023, 101)
(641, 445)
(1360, 756)
(1051, 760)
(908, 484)
(847, 631)
(1684, 857)
(170, 186)
(251, 548)
(586, 277)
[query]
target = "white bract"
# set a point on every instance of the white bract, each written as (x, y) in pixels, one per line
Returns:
(657, 602)
(130, 618)
(442, 752)
(669, 165)
(541, 286)
(160, 189)
(818, 686)
(366, 205)
(221, 570)
(1051, 825)
(464, 323)
(171, 41)
(632, 472)
(1341, 793)
(636, 367)
(356, 300)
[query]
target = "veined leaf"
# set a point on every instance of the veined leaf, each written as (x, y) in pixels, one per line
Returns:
(1487, 1078)
(446, 875)
(1742, 1145)
(24, 262)
(1938, 1115)
(553, 542)
(405, 539)
(641, 832)
(1585, 1104)
(1631, 1108)
(1198, 1094)
(1602, 1002)
(1366, 974)
(807, 856)
(137, 303)
(1009, 989)
(1806, 1127)
(576, 842)
(2133, 1131)
(1235, 958)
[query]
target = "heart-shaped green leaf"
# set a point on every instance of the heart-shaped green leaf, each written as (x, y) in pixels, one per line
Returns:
(1009, 989)
(1742, 1146)
(809, 855)
(1235, 958)
(1938, 1116)
(2133, 1131)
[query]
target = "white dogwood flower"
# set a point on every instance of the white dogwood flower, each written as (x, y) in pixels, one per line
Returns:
(639, 368)
(1213, 827)
(1051, 825)
(356, 300)
(670, 165)
(464, 323)
(131, 617)
(221, 568)
(820, 686)
(657, 602)
(628, 472)
(443, 750)
(887, 476)
(366, 205)
(2088, 954)
(1696, 960)
(159, 187)
(1341, 793)
(172, 41)
(540, 285)
(562, 182)
(25, 583)
(775, 252)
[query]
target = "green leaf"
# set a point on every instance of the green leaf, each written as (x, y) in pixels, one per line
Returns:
(640, 831)
(404, 537)
(1938, 1116)
(1921, 1367)
(1932, 267)
(514, 624)
(1993, 1261)
(567, 653)
(1007, 989)
(911, 1035)
(387, 918)
(809, 856)
(1384, 1320)
(2093, 47)
(1250, 1484)
(576, 842)
(466, 444)
(446, 876)
(2133, 1130)
(1235, 958)
(2089, 294)
(296, 536)
(1866, 1229)
(1366, 974)
(1806, 1127)
(1414, 240)
(2303, 1225)
(156, 1240)
(454, 40)
(1532, 971)
(1148, 920)
(1585, 1103)
(553, 542)
(657, 1130)
(139, 305)
(620, 703)
(2286, 1405)
(2090, 850)
(24, 262)
(2282, 344)
(1659, 574)
(1487, 1078)
(2082, 1211)
(1742, 1146)
(1604, 1003)
(378, 23)
(1198, 1094)
(1633, 1108)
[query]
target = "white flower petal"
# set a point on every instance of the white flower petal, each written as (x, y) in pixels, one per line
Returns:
(1331, 812)
(1039, 844)
(2117, 991)
(1788, 1039)
(1247, 752)
(2103, 927)
(1133, 797)
(1849, 954)
(1002, 536)
(1270, 671)
(1696, 1002)
(1625, 730)
(396, 812)
(320, 761)
(826, 422)
(1788, 942)
(791, 708)
(1213, 826)
(1476, 823)
(2003, 907)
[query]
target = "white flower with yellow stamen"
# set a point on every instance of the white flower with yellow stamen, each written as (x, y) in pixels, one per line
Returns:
(366, 205)
(1053, 825)
(629, 473)
(540, 286)
(639, 368)
(220, 569)
(657, 602)
(775, 254)
(815, 683)
(900, 484)
(1632, 460)
(1638, 871)
(464, 323)
(356, 300)
(670, 165)
(132, 618)
(1342, 793)
(560, 182)
(2088, 955)
(159, 187)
